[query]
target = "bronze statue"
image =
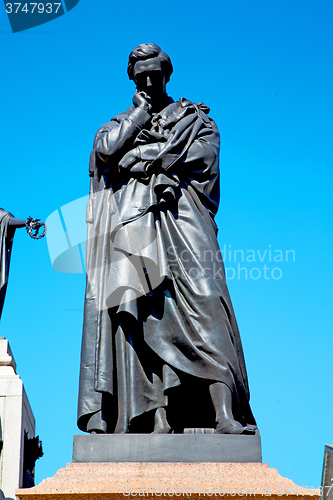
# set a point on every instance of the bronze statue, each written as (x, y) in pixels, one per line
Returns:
(8, 224)
(161, 349)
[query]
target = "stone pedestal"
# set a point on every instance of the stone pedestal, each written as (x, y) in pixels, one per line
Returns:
(110, 481)
(15, 417)
(186, 448)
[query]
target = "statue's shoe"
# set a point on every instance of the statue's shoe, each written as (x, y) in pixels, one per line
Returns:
(161, 425)
(252, 426)
(234, 427)
(162, 430)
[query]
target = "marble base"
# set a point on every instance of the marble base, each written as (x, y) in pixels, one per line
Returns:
(16, 417)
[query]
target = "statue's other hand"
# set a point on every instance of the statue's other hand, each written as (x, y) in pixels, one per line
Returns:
(142, 100)
(129, 160)
(148, 136)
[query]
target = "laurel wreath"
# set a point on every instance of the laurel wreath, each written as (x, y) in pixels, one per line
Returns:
(33, 226)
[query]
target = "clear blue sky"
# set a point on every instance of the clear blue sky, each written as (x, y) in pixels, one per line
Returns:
(265, 69)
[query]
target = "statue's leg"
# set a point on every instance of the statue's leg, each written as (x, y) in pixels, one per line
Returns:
(222, 400)
(161, 425)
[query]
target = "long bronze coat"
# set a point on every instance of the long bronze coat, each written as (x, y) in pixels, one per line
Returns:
(159, 326)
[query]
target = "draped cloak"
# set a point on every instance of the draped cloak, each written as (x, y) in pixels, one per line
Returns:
(6, 243)
(159, 325)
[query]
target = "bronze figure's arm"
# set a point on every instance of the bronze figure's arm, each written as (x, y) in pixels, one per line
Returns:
(116, 140)
(16, 223)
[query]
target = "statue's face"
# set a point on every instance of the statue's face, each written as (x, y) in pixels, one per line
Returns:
(149, 77)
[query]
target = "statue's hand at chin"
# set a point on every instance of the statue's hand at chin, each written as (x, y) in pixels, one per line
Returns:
(142, 100)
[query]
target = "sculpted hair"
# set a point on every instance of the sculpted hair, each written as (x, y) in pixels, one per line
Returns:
(148, 51)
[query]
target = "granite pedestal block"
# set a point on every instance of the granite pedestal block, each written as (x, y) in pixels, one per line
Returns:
(166, 448)
(121, 481)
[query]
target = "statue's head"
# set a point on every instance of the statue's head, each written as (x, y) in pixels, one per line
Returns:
(150, 68)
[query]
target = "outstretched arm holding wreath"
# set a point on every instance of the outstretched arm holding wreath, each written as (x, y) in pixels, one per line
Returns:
(8, 224)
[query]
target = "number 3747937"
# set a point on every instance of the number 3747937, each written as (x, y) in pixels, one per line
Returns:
(48, 8)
